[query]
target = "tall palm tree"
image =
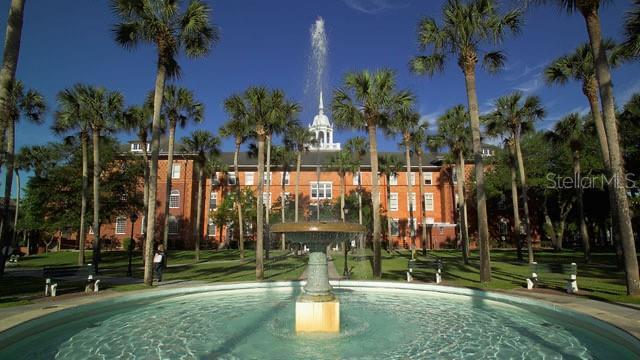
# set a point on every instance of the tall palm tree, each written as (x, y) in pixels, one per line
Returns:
(262, 108)
(570, 130)
(299, 138)
(178, 107)
(283, 157)
(72, 115)
(405, 123)
(454, 132)
(20, 103)
(590, 11)
(171, 31)
(466, 27)
(342, 162)
(358, 147)
(238, 127)
(367, 101)
(204, 145)
(104, 110)
(631, 45)
(21, 164)
(389, 166)
(419, 139)
(516, 115)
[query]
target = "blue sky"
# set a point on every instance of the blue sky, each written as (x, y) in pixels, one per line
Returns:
(267, 43)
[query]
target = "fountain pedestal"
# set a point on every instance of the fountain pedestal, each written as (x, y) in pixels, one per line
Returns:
(317, 310)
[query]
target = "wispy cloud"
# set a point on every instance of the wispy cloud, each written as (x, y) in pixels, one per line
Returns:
(517, 74)
(624, 95)
(532, 85)
(375, 6)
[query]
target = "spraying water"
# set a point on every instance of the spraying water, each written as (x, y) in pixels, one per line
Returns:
(316, 78)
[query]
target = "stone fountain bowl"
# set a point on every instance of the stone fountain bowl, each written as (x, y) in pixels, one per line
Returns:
(318, 235)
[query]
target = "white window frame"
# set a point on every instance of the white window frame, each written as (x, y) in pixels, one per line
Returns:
(393, 201)
(121, 225)
(321, 185)
(213, 199)
(428, 178)
(143, 225)
(248, 178)
(266, 201)
(174, 199)
(356, 177)
(174, 226)
(267, 175)
(231, 178)
(412, 177)
(393, 179)
(429, 206)
(413, 201)
(430, 220)
(395, 222)
(175, 171)
(211, 225)
(287, 178)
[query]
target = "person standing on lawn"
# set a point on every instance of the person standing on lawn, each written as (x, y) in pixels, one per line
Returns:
(159, 261)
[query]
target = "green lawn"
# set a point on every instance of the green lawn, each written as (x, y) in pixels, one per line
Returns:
(599, 280)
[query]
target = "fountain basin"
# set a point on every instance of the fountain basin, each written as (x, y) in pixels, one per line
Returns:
(256, 320)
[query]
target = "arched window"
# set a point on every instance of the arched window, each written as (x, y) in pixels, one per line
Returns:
(174, 199)
(173, 225)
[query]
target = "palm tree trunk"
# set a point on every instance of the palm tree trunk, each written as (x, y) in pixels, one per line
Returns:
(260, 211)
(96, 198)
(462, 209)
(268, 165)
(239, 198)
(549, 223)
(298, 161)
(167, 195)
(360, 196)
(481, 197)
(514, 201)
(197, 234)
(375, 193)
(342, 191)
(422, 209)
(153, 173)
(525, 199)
(603, 74)
(283, 202)
(7, 78)
(15, 217)
(584, 233)
(410, 194)
(5, 231)
(85, 188)
(388, 207)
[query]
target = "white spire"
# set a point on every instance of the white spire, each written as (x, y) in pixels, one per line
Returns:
(321, 108)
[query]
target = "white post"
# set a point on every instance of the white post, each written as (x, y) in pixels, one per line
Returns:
(47, 286)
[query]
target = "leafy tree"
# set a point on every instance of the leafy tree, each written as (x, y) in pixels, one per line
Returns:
(204, 145)
(170, 31)
(466, 26)
(178, 107)
(367, 101)
(514, 115)
(590, 11)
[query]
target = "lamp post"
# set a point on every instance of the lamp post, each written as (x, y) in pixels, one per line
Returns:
(133, 217)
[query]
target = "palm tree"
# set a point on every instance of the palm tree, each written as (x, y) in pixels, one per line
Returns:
(466, 26)
(284, 157)
(204, 145)
(570, 130)
(419, 139)
(405, 123)
(299, 138)
(238, 127)
(21, 164)
(20, 103)
(454, 132)
(589, 10)
(389, 166)
(631, 45)
(170, 30)
(178, 108)
(262, 108)
(367, 101)
(72, 115)
(104, 110)
(358, 147)
(342, 162)
(515, 115)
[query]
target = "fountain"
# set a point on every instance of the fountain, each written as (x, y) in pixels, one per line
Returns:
(318, 309)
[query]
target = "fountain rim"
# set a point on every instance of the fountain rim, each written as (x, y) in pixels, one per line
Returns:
(331, 227)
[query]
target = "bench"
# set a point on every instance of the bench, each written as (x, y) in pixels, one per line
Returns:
(415, 265)
(51, 273)
(559, 275)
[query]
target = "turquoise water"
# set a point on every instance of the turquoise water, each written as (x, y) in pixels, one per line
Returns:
(258, 324)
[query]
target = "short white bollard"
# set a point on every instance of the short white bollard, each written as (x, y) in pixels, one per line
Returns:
(96, 286)
(532, 281)
(438, 276)
(47, 287)
(409, 276)
(54, 289)
(572, 284)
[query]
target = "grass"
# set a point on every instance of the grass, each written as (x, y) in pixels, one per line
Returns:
(598, 280)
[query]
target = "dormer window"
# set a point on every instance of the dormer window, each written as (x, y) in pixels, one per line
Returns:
(137, 147)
